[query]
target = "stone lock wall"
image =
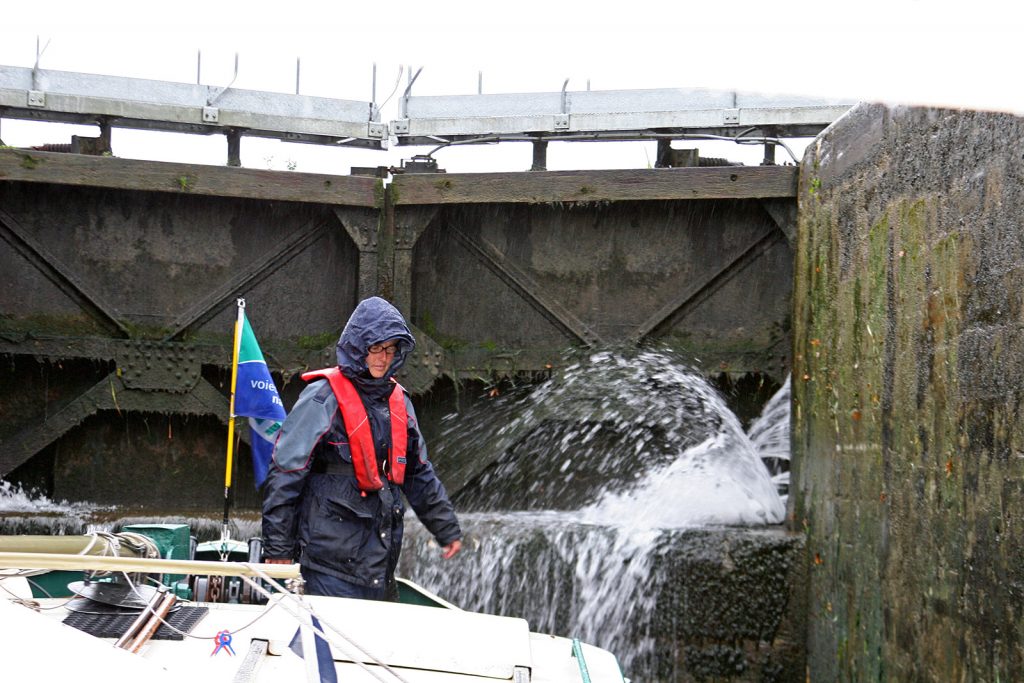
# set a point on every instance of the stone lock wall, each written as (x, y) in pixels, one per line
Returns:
(908, 382)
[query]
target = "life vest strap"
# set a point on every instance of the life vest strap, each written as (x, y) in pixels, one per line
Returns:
(360, 433)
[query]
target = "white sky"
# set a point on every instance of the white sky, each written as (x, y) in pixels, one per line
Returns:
(938, 52)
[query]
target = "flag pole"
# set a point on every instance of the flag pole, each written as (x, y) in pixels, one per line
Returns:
(225, 533)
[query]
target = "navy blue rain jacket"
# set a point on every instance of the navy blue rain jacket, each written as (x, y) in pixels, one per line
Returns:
(321, 518)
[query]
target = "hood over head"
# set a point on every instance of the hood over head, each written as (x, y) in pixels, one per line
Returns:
(374, 321)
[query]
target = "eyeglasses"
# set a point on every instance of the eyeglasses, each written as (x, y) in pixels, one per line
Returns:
(380, 348)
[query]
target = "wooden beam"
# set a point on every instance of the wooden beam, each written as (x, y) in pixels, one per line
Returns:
(721, 182)
(159, 176)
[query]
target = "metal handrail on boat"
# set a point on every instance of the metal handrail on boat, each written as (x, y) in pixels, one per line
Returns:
(577, 652)
(10, 560)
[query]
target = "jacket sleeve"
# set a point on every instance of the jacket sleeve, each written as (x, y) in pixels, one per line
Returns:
(424, 490)
(309, 420)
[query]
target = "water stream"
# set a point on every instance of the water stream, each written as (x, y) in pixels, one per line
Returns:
(608, 479)
(633, 435)
(769, 434)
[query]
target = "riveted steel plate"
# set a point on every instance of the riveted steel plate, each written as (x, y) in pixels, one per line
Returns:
(158, 366)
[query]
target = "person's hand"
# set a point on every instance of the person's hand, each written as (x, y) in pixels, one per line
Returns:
(448, 551)
(277, 560)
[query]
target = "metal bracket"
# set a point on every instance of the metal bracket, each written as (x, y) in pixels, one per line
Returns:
(211, 115)
(404, 102)
(400, 126)
(730, 117)
(214, 94)
(378, 131)
(36, 98)
(562, 119)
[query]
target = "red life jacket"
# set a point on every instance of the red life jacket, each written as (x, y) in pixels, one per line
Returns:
(360, 435)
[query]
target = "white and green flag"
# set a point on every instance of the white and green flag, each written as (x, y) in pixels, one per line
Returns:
(256, 397)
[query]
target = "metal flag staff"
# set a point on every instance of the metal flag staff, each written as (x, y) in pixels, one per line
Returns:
(225, 533)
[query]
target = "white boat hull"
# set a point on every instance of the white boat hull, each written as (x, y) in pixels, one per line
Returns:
(419, 644)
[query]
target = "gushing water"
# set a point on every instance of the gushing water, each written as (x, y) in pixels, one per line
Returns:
(770, 437)
(592, 582)
(613, 430)
(590, 478)
(30, 512)
(15, 499)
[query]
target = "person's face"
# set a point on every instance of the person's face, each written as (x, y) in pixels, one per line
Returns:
(378, 360)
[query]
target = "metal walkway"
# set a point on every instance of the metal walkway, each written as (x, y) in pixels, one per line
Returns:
(656, 114)
(120, 102)
(611, 115)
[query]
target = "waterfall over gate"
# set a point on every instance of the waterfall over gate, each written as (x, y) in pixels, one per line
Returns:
(620, 510)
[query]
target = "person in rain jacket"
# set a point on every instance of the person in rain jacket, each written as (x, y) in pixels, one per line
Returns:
(332, 499)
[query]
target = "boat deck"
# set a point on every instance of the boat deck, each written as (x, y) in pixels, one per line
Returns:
(419, 644)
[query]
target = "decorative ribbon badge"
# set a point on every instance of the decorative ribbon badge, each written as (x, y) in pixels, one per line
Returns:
(223, 640)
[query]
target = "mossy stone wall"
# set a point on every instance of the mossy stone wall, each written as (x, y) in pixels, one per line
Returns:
(908, 442)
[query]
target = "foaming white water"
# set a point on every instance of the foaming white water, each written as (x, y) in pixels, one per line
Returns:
(15, 499)
(718, 482)
(637, 430)
(30, 512)
(661, 456)
(591, 582)
(770, 436)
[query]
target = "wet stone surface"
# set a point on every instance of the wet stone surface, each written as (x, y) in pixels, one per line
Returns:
(908, 380)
